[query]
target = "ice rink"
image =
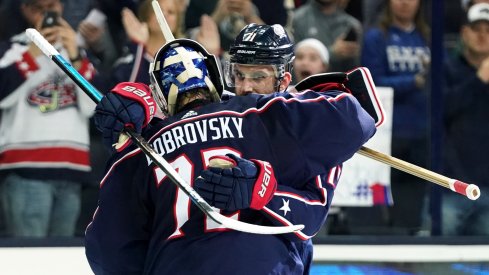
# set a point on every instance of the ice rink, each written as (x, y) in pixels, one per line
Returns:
(329, 259)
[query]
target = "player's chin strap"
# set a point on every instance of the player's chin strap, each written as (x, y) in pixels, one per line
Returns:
(287, 69)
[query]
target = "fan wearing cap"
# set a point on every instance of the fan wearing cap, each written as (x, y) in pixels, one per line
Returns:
(466, 114)
(311, 57)
(466, 4)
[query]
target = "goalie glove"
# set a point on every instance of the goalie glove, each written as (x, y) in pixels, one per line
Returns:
(243, 184)
(126, 105)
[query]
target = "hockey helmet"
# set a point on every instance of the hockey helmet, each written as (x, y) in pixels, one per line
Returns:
(180, 66)
(261, 45)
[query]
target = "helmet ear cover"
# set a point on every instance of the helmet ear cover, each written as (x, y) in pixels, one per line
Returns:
(166, 93)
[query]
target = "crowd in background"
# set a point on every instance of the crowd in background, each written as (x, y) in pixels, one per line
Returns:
(114, 41)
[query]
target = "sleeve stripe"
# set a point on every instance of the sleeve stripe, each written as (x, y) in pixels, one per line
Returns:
(284, 221)
(128, 155)
(322, 202)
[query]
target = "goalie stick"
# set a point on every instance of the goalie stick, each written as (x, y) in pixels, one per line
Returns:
(361, 84)
(96, 96)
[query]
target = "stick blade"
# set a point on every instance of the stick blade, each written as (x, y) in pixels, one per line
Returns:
(256, 229)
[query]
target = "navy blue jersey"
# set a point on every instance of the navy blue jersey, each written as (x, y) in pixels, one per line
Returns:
(145, 225)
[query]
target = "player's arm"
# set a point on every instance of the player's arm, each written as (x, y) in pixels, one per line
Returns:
(308, 205)
(116, 240)
(310, 132)
(232, 183)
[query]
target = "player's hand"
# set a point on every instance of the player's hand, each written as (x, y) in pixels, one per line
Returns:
(126, 105)
(247, 184)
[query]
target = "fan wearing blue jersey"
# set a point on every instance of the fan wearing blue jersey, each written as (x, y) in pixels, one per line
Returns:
(145, 225)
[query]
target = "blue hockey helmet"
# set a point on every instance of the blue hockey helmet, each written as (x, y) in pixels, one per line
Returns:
(261, 45)
(180, 66)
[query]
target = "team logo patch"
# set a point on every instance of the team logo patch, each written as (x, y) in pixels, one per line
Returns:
(52, 96)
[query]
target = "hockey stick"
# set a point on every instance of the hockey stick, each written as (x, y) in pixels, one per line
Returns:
(160, 17)
(367, 97)
(96, 96)
(470, 191)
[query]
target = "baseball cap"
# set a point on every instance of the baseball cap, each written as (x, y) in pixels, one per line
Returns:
(478, 12)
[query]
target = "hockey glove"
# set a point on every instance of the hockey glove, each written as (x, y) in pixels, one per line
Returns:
(126, 105)
(249, 184)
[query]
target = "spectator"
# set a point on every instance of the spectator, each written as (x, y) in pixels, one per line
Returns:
(113, 10)
(145, 37)
(466, 4)
(466, 111)
(44, 137)
(311, 57)
(458, 17)
(327, 22)
(230, 15)
(397, 54)
(93, 36)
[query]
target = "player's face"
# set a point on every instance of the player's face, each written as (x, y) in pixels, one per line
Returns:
(307, 62)
(476, 37)
(258, 79)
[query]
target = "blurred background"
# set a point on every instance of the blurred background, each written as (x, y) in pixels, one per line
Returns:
(429, 59)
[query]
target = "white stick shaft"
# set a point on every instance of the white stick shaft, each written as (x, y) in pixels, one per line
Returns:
(162, 22)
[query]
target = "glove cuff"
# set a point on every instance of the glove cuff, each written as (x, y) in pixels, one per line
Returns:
(265, 185)
(140, 93)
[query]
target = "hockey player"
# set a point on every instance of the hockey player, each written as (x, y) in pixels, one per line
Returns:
(144, 224)
(260, 60)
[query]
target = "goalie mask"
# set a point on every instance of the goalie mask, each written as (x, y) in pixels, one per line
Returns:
(260, 45)
(181, 66)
